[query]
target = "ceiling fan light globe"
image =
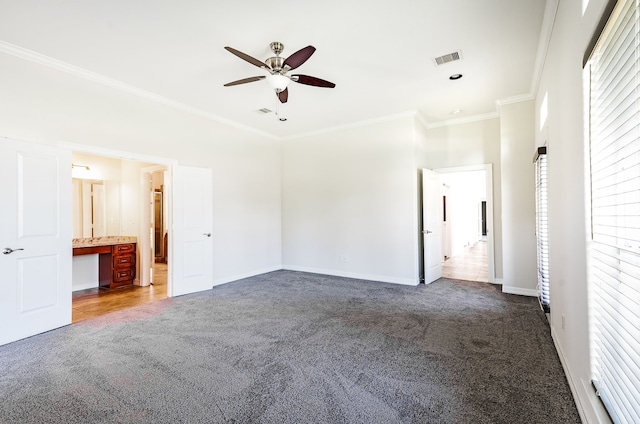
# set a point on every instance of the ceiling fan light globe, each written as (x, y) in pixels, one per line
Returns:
(278, 82)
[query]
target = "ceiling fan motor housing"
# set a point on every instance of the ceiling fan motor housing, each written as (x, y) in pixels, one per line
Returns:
(275, 63)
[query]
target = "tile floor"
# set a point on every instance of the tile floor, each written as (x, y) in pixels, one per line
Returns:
(469, 265)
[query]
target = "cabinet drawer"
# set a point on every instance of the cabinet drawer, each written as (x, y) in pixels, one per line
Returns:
(124, 274)
(124, 260)
(124, 248)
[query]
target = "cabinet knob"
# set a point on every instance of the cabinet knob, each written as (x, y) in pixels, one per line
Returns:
(207, 234)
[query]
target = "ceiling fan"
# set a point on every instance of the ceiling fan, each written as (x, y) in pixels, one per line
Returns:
(278, 67)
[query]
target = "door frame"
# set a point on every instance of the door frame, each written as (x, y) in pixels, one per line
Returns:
(147, 258)
(488, 168)
(157, 161)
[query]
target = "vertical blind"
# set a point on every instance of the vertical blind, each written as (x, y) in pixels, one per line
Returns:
(615, 213)
(542, 229)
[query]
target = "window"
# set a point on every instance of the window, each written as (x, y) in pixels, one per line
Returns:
(542, 229)
(614, 255)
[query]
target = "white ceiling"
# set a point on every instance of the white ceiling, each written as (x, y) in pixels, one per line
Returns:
(378, 53)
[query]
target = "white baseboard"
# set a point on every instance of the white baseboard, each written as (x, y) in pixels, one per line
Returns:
(519, 291)
(224, 280)
(498, 281)
(589, 407)
(370, 277)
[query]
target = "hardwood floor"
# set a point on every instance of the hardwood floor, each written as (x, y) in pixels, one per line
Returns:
(470, 265)
(95, 302)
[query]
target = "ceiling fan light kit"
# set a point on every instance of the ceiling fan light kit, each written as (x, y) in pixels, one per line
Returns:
(278, 82)
(278, 67)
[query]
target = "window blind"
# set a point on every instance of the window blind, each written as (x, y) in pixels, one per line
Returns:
(615, 213)
(542, 229)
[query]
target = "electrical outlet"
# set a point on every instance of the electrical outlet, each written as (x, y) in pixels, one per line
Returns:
(344, 258)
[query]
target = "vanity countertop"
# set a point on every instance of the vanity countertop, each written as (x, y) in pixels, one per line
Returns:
(103, 241)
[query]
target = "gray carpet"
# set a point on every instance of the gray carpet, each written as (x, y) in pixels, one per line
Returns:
(291, 347)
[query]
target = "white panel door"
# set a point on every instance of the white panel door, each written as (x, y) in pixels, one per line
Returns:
(432, 225)
(35, 238)
(192, 224)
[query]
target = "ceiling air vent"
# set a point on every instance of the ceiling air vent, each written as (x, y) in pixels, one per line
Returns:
(265, 110)
(441, 60)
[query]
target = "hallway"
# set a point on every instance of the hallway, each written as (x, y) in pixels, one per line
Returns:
(470, 265)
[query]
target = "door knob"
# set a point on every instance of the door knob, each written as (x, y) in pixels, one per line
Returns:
(8, 250)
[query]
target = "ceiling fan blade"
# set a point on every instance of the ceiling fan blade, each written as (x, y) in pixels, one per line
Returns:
(316, 82)
(299, 57)
(244, 56)
(244, 81)
(283, 95)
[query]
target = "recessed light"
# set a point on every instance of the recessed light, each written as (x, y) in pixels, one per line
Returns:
(455, 77)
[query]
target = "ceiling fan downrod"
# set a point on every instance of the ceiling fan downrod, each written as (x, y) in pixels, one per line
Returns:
(276, 63)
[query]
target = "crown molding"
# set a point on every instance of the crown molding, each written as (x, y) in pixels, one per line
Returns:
(79, 72)
(515, 99)
(358, 124)
(546, 30)
(465, 120)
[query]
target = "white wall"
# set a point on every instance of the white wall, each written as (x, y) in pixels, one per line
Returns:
(130, 198)
(563, 132)
(465, 144)
(350, 202)
(48, 106)
(518, 198)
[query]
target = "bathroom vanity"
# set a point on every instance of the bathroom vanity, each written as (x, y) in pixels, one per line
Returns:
(116, 258)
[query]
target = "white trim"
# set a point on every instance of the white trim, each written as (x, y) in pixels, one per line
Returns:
(548, 22)
(466, 168)
(422, 120)
(519, 291)
(499, 281)
(356, 275)
(465, 120)
(117, 154)
(583, 393)
(225, 280)
(515, 99)
(358, 124)
(79, 72)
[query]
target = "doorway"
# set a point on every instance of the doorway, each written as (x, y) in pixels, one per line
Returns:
(467, 227)
(126, 210)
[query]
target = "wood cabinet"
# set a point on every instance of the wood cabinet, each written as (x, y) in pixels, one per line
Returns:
(123, 265)
(116, 263)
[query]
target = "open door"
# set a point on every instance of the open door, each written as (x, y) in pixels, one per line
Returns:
(192, 223)
(35, 238)
(432, 225)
